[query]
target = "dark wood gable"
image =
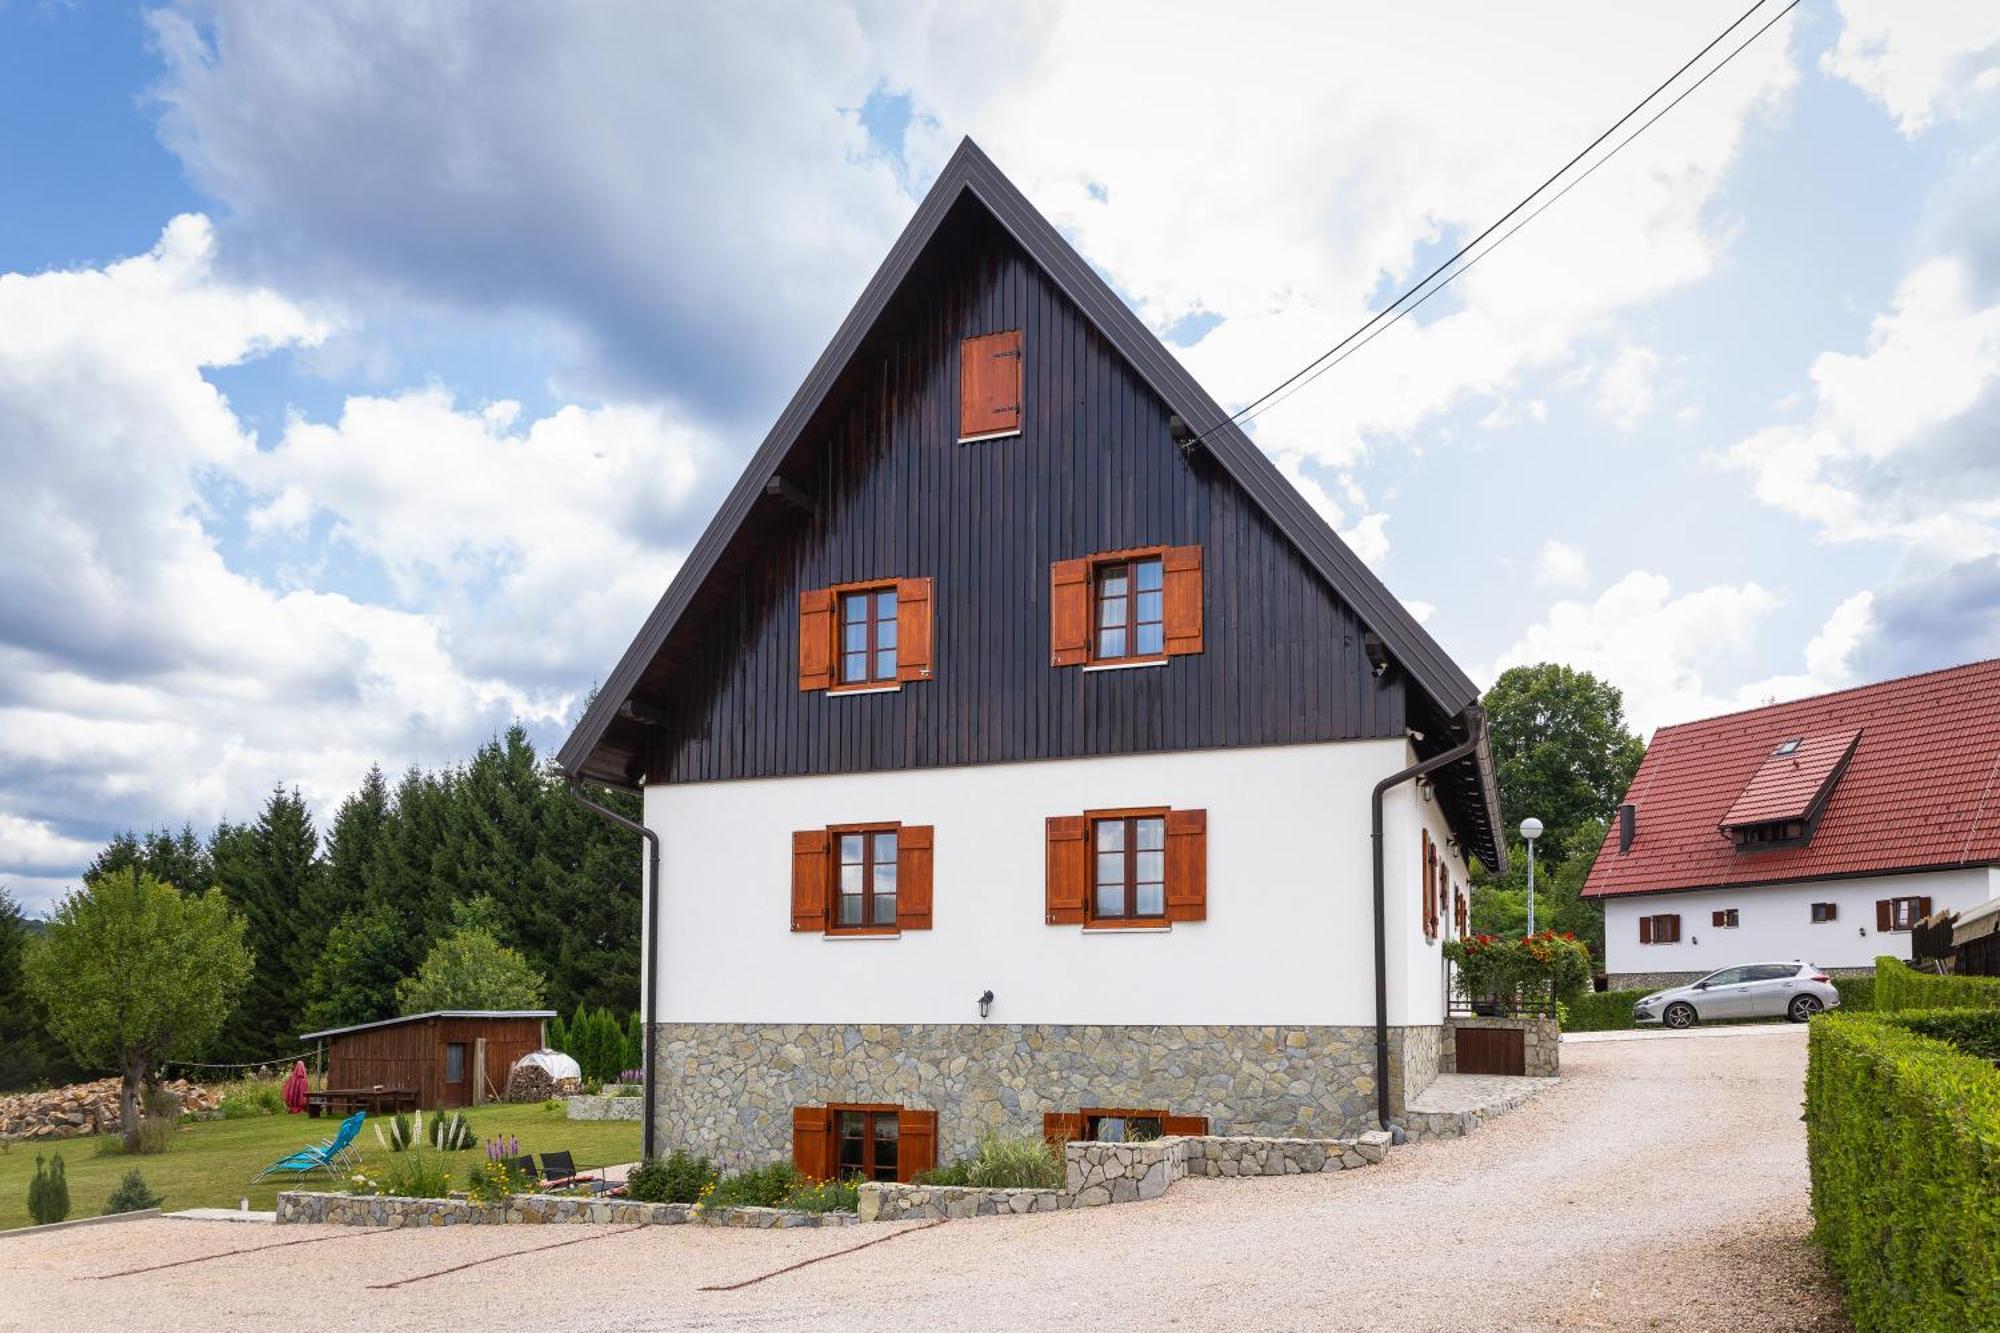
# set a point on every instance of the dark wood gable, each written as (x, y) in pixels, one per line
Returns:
(884, 489)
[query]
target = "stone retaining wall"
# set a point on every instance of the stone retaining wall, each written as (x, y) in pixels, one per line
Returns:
(1106, 1173)
(726, 1090)
(382, 1210)
(1541, 1042)
(604, 1108)
(1667, 980)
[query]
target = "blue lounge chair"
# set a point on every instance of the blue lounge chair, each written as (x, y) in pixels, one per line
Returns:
(334, 1152)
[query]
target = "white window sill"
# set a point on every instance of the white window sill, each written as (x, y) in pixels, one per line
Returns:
(844, 937)
(1128, 930)
(841, 693)
(1125, 666)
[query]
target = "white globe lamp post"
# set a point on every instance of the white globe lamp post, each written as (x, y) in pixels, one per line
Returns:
(1531, 829)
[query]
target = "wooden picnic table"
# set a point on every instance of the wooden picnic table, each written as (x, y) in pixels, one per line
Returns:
(376, 1100)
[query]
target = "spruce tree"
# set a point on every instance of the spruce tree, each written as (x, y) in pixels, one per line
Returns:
(269, 871)
(30, 1057)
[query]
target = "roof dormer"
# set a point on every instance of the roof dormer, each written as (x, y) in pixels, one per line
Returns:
(1780, 806)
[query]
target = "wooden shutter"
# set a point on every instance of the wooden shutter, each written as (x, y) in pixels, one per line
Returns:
(916, 1146)
(989, 385)
(816, 638)
(1182, 578)
(1184, 1124)
(1833, 911)
(1069, 869)
(1061, 1126)
(913, 629)
(1187, 865)
(1069, 612)
(1645, 930)
(1885, 915)
(913, 877)
(1673, 920)
(812, 1141)
(1716, 918)
(809, 876)
(1923, 909)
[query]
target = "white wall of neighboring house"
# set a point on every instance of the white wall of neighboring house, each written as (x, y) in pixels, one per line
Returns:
(1287, 940)
(1775, 921)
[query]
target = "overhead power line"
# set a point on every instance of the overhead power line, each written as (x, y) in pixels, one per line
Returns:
(1396, 309)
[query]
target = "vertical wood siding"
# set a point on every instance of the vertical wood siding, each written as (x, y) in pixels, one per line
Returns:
(896, 495)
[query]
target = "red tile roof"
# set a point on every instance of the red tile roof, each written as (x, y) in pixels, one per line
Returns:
(1792, 782)
(1922, 790)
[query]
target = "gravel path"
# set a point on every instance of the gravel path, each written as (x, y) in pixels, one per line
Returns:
(1662, 1185)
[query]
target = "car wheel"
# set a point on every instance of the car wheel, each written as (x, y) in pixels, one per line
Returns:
(1803, 1007)
(1679, 1016)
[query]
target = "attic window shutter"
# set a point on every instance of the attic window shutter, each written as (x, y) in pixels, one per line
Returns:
(1069, 612)
(809, 876)
(816, 639)
(916, 1148)
(1187, 865)
(810, 1135)
(913, 877)
(1068, 870)
(1182, 580)
(913, 629)
(989, 385)
(1885, 915)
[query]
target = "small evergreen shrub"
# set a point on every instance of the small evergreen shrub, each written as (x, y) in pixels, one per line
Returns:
(400, 1135)
(131, 1196)
(679, 1177)
(1899, 986)
(759, 1187)
(451, 1133)
(48, 1192)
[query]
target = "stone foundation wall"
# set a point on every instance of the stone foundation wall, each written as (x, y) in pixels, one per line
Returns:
(1541, 1043)
(604, 1108)
(727, 1090)
(383, 1210)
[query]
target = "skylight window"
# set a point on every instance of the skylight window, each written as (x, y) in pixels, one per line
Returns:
(1789, 747)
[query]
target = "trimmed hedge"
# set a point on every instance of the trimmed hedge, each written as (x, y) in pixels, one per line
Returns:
(1857, 994)
(1972, 1031)
(1599, 1011)
(1898, 986)
(1901, 1131)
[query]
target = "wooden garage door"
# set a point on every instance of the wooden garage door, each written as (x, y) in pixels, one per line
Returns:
(1490, 1051)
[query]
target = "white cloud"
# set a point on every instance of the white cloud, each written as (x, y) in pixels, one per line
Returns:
(1561, 565)
(37, 845)
(1629, 386)
(1920, 61)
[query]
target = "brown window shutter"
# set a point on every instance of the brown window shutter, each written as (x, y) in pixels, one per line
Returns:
(1833, 911)
(1061, 1126)
(1187, 865)
(816, 638)
(1184, 1124)
(989, 385)
(812, 1136)
(1674, 928)
(1923, 909)
(1181, 574)
(809, 876)
(1069, 612)
(916, 1147)
(1715, 918)
(913, 877)
(1885, 915)
(1645, 930)
(1069, 870)
(913, 629)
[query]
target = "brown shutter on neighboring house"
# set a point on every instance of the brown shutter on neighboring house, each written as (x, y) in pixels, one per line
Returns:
(1184, 1124)
(1673, 928)
(1715, 918)
(916, 1147)
(809, 875)
(1182, 579)
(816, 639)
(913, 877)
(913, 629)
(1069, 612)
(1069, 870)
(1923, 909)
(1187, 865)
(1885, 914)
(1061, 1126)
(1645, 930)
(811, 1141)
(989, 385)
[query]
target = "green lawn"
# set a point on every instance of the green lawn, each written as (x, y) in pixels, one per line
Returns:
(211, 1162)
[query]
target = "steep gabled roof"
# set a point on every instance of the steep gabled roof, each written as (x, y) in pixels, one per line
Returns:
(970, 173)
(1919, 790)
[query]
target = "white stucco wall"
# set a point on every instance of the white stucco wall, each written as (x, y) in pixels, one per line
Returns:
(1416, 969)
(1775, 921)
(1287, 939)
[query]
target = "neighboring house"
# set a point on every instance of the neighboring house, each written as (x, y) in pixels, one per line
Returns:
(1820, 830)
(1011, 668)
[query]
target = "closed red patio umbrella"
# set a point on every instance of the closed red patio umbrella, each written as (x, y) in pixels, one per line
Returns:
(295, 1088)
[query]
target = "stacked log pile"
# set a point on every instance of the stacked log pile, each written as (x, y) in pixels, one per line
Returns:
(530, 1083)
(86, 1108)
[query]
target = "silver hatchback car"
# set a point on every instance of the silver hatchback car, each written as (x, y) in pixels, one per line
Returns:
(1792, 990)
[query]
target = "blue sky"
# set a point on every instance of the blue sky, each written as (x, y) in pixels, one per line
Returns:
(341, 345)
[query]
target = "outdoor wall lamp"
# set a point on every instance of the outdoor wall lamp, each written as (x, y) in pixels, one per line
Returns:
(985, 1003)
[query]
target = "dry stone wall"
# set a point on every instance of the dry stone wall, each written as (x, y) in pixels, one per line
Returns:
(383, 1210)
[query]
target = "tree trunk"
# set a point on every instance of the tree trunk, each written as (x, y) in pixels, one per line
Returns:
(128, 1104)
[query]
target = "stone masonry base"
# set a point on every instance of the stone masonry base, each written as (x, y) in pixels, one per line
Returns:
(726, 1090)
(1541, 1042)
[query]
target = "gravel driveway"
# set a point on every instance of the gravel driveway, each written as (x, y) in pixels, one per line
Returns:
(1662, 1185)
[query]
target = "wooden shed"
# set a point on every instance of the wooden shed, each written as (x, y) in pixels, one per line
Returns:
(452, 1057)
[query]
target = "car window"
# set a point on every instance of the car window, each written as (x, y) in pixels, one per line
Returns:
(1774, 971)
(1728, 976)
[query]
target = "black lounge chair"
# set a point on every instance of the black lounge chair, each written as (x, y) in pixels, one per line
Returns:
(559, 1171)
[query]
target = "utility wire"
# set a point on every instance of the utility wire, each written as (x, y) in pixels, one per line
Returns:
(1497, 223)
(1251, 415)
